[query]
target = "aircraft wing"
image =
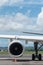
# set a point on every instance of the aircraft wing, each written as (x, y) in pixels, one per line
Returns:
(19, 37)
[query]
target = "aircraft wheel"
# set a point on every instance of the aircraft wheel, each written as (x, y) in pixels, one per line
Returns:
(33, 57)
(40, 57)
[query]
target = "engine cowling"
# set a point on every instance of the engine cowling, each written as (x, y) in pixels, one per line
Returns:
(15, 48)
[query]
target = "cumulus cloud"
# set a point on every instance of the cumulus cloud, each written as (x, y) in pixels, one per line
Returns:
(21, 22)
(40, 17)
(40, 20)
(38, 26)
(17, 22)
(3, 2)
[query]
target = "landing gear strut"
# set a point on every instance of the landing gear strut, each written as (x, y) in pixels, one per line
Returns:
(36, 55)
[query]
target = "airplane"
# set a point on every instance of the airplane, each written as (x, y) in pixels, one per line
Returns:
(16, 48)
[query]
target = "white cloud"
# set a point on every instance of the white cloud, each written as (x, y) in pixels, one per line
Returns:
(14, 2)
(40, 20)
(10, 2)
(28, 13)
(17, 22)
(32, 2)
(19, 2)
(21, 22)
(3, 2)
(40, 17)
(39, 23)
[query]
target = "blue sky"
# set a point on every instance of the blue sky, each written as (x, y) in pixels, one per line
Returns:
(19, 15)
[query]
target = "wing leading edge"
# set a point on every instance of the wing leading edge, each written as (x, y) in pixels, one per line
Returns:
(18, 37)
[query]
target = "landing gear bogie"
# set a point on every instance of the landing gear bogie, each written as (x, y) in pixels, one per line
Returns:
(33, 56)
(40, 57)
(36, 55)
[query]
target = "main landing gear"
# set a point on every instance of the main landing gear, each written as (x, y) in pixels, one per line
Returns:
(36, 55)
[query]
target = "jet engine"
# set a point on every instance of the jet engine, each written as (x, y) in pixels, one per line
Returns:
(16, 48)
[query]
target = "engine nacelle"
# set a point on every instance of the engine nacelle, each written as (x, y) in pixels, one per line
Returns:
(15, 48)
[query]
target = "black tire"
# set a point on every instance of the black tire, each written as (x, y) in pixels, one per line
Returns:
(40, 57)
(33, 57)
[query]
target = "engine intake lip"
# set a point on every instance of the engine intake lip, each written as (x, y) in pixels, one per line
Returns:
(17, 47)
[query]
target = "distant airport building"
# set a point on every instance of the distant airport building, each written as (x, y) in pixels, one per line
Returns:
(3, 49)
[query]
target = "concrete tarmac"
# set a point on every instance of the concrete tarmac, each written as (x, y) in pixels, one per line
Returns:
(7, 62)
(24, 60)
